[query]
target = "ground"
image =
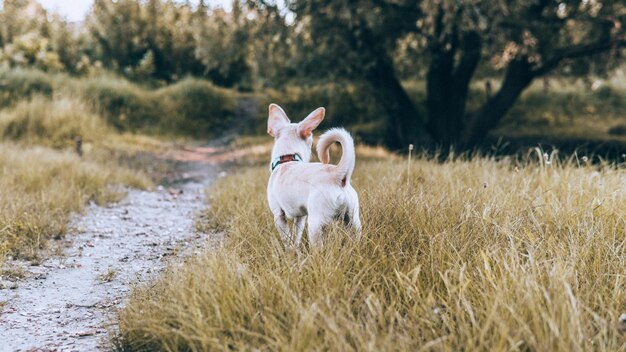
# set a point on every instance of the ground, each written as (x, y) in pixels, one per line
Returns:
(68, 302)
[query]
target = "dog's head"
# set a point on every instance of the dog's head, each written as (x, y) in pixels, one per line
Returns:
(290, 137)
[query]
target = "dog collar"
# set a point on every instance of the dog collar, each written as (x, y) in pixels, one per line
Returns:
(284, 159)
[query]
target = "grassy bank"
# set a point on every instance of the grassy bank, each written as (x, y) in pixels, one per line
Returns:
(461, 255)
(189, 108)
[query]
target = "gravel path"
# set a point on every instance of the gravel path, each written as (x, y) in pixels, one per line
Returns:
(68, 303)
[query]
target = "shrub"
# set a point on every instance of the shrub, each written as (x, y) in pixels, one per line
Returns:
(54, 123)
(196, 108)
(610, 100)
(126, 106)
(20, 84)
(618, 130)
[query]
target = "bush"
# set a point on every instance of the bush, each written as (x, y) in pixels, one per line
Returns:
(126, 106)
(20, 84)
(54, 123)
(618, 130)
(190, 107)
(196, 108)
(610, 100)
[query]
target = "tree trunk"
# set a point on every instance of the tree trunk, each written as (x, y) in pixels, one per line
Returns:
(444, 110)
(448, 88)
(518, 76)
(404, 125)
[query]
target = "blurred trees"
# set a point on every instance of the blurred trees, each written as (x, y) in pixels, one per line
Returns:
(450, 44)
(144, 40)
(166, 40)
(25, 36)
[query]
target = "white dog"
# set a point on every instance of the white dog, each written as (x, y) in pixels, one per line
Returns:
(298, 189)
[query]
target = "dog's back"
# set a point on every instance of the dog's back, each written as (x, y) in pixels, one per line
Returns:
(293, 184)
(297, 188)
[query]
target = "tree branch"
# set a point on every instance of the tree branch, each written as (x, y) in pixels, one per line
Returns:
(577, 51)
(517, 77)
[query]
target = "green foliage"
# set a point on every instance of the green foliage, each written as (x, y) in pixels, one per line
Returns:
(448, 40)
(570, 111)
(31, 50)
(32, 37)
(610, 97)
(118, 29)
(606, 101)
(20, 84)
(196, 108)
(191, 107)
(315, 44)
(168, 41)
(124, 105)
(566, 113)
(153, 40)
(55, 123)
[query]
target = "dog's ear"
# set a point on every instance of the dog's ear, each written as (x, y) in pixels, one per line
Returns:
(306, 126)
(277, 119)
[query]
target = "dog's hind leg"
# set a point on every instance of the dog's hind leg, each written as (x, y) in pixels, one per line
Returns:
(316, 225)
(299, 229)
(355, 222)
(280, 221)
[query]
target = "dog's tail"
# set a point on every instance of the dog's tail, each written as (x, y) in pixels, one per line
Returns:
(348, 158)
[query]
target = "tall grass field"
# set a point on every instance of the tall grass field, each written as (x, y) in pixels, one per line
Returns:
(464, 255)
(479, 253)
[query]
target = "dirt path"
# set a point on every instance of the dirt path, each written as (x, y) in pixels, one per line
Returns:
(67, 303)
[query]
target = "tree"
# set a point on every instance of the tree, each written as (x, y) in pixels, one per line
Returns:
(28, 37)
(118, 30)
(223, 47)
(530, 39)
(65, 42)
(526, 39)
(355, 40)
(273, 45)
(170, 40)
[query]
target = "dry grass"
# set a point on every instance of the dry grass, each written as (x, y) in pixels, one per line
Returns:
(57, 121)
(41, 187)
(462, 255)
(42, 179)
(52, 122)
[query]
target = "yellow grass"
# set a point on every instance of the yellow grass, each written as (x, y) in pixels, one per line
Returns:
(462, 255)
(52, 122)
(41, 187)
